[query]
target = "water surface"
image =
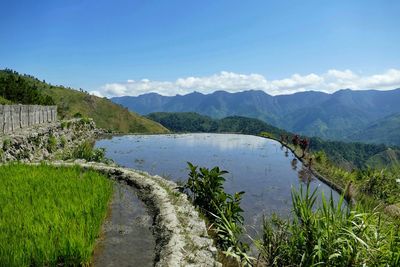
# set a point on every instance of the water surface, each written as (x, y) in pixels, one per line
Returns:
(261, 167)
(127, 236)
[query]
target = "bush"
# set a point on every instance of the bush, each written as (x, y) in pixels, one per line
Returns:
(63, 125)
(77, 115)
(52, 144)
(223, 211)
(86, 151)
(6, 144)
(63, 141)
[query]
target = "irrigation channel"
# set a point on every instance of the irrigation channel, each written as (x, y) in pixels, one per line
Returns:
(261, 167)
(128, 225)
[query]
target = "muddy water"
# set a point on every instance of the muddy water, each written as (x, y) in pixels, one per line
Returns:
(127, 236)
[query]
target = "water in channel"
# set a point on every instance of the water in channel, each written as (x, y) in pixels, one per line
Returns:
(127, 238)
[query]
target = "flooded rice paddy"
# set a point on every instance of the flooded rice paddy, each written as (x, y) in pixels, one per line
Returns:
(261, 167)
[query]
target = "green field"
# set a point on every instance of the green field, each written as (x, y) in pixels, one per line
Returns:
(50, 215)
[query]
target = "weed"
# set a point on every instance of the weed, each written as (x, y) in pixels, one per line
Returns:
(63, 141)
(52, 143)
(6, 144)
(86, 151)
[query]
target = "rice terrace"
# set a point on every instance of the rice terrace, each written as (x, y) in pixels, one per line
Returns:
(200, 133)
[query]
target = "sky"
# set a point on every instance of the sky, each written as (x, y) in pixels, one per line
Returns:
(114, 48)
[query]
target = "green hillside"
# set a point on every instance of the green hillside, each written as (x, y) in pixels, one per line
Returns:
(194, 122)
(107, 115)
(386, 130)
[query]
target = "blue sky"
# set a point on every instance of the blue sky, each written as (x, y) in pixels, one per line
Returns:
(131, 47)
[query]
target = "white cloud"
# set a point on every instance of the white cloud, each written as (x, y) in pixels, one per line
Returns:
(389, 79)
(330, 81)
(96, 93)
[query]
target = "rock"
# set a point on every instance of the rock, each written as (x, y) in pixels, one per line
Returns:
(32, 143)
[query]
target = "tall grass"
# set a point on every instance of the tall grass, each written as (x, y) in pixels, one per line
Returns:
(50, 215)
(86, 151)
(329, 236)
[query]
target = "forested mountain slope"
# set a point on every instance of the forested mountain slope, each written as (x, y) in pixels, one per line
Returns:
(334, 116)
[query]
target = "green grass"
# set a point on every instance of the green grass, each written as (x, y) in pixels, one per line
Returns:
(105, 113)
(330, 235)
(50, 215)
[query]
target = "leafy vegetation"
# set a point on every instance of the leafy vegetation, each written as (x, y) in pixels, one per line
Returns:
(222, 210)
(86, 151)
(15, 88)
(50, 215)
(329, 236)
(52, 144)
(380, 185)
(26, 89)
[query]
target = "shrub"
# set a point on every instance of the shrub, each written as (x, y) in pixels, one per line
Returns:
(223, 211)
(77, 115)
(52, 144)
(63, 125)
(86, 151)
(63, 141)
(6, 144)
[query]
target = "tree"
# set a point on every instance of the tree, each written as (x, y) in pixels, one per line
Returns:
(304, 144)
(296, 140)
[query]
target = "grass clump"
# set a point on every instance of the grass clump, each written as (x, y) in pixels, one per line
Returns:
(6, 144)
(50, 215)
(329, 236)
(86, 151)
(52, 143)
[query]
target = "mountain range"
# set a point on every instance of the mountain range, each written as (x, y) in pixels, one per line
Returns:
(364, 115)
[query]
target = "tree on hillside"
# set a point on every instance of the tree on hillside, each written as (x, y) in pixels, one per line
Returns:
(304, 144)
(284, 139)
(18, 89)
(296, 140)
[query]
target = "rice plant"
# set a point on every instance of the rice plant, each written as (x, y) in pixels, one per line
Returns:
(50, 215)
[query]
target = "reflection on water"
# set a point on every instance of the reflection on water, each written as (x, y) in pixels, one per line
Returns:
(258, 166)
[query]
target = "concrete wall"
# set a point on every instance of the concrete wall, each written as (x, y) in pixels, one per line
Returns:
(14, 117)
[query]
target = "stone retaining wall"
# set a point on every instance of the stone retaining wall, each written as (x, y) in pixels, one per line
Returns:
(45, 141)
(13, 117)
